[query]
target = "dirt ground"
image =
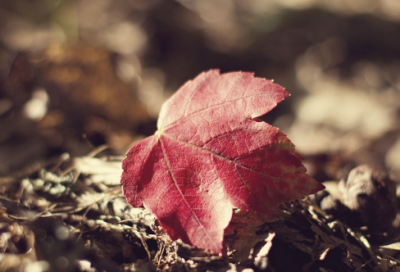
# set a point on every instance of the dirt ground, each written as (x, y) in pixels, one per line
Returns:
(81, 81)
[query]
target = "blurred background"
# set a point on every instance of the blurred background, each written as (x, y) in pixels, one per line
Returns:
(78, 74)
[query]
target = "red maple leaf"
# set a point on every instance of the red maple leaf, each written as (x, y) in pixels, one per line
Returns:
(211, 154)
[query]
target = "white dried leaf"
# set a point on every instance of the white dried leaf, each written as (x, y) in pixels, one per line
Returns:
(101, 171)
(90, 198)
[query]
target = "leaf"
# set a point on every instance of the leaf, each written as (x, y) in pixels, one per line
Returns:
(211, 154)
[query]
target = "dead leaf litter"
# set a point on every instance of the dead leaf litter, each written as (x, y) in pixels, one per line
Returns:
(80, 221)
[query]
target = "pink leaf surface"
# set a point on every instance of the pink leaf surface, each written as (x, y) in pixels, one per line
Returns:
(210, 154)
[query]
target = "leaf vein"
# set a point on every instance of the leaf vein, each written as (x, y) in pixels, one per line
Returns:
(182, 195)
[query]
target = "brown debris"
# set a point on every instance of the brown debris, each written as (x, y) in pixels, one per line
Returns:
(366, 198)
(91, 216)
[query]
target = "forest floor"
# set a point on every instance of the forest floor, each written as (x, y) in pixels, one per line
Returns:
(80, 83)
